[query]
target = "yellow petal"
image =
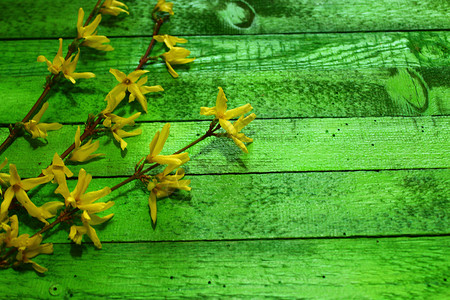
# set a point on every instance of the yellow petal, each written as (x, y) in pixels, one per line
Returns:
(37, 117)
(242, 122)
(162, 139)
(151, 89)
(133, 76)
(134, 90)
(83, 153)
(31, 208)
(52, 207)
(95, 220)
(233, 113)
(152, 205)
(83, 182)
(83, 75)
(15, 178)
(77, 138)
(221, 102)
(227, 126)
(80, 22)
(38, 267)
(239, 144)
(171, 70)
(167, 160)
(94, 196)
(208, 111)
(120, 76)
(89, 29)
(30, 183)
(96, 207)
(9, 195)
(93, 236)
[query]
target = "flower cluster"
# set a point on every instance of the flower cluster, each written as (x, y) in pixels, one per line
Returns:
(38, 129)
(222, 115)
(27, 247)
(163, 184)
(128, 83)
(65, 66)
(80, 208)
(175, 55)
(83, 201)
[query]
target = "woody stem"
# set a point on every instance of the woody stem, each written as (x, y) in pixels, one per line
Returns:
(144, 58)
(93, 12)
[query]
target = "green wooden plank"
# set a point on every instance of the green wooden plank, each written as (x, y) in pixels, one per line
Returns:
(256, 52)
(280, 145)
(400, 268)
(38, 19)
(289, 205)
(312, 76)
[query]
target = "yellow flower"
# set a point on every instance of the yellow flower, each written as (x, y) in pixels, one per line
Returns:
(164, 185)
(176, 56)
(18, 188)
(78, 198)
(221, 113)
(117, 130)
(65, 66)
(137, 90)
(144, 90)
(111, 7)
(83, 153)
(85, 201)
(55, 66)
(164, 6)
(69, 68)
(40, 129)
(76, 232)
(88, 33)
(28, 247)
(60, 172)
(169, 40)
(239, 138)
(156, 147)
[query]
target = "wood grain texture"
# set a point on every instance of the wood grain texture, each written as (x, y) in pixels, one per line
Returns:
(400, 268)
(218, 17)
(289, 205)
(287, 76)
(344, 192)
(285, 145)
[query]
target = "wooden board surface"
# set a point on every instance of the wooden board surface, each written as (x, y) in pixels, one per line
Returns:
(218, 17)
(289, 205)
(281, 145)
(344, 192)
(375, 268)
(325, 75)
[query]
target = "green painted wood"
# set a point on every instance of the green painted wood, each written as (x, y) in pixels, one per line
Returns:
(288, 76)
(400, 268)
(256, 52)
(38, 19)
(286, 205)
(284, 145)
